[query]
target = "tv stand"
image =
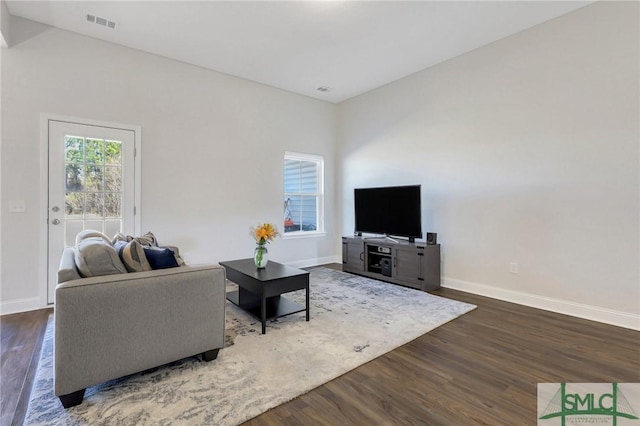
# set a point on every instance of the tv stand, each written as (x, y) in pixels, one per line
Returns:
(385, 237)
(411, 264)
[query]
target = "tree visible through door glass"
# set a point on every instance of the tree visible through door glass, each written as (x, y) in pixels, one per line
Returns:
(93, 193)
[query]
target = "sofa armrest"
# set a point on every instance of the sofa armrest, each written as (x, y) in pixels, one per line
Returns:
(115, 325)
(67, 270)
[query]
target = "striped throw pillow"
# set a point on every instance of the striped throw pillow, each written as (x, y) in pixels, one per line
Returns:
(132, 255)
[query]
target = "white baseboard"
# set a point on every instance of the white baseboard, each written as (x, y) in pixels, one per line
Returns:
(593, 313)
(315, 262)
(20, 305)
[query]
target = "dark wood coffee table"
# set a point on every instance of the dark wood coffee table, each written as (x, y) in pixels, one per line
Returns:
(260, 290)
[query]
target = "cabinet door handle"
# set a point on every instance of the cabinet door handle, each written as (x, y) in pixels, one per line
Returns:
(394, 262)
(362, 256)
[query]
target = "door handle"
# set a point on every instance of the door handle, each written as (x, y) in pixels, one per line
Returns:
(55, 221)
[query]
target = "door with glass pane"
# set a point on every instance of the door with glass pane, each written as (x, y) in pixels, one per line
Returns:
(91, 185)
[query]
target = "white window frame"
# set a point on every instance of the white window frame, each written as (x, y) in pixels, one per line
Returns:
(319, 160)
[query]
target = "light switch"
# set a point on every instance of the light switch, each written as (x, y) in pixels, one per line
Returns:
(17, 206)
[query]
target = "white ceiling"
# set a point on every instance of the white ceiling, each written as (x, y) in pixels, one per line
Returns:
(349, 46)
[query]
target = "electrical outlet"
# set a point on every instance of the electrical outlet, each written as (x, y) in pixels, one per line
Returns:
(513, 268)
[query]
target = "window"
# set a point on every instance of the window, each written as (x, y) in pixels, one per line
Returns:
(303, 194)
(94, 186)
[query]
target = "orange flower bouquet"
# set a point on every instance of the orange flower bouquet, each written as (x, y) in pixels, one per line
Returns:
(263, 233)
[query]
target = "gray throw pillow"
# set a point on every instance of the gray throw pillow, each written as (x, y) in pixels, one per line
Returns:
(91, 233)
(95, 257)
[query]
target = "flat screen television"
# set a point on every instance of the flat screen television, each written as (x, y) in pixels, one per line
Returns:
(390, 210)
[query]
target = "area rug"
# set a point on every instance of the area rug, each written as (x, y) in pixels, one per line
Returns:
(353, 320)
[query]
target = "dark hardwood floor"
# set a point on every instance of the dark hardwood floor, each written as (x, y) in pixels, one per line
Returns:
(480, 369)
(20, 340)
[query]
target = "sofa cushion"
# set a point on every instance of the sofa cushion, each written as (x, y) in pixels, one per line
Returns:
(132, 255)
(119, 246)
(68, 274)
(160, 257)
(147, 239)
(119, 237)
(95, 257)
(91, 233)
(176, 254)
(67, 270)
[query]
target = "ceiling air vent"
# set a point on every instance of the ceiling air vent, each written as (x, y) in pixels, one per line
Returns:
(104, 22)
(323, 89)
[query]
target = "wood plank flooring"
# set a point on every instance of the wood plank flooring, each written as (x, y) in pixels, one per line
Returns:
(480, 369)
(21, 338)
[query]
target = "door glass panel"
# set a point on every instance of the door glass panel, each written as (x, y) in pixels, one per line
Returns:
(94, 206)
(112, 205)
(113, 152)
(94, 151)
(71, 229)
(93, 197)
(98, 225)
(112, 227)
(75, 177)
(74, 205)
(112, 179)
(94, 178)
(74, 149)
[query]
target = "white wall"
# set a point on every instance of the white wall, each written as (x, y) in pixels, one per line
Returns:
(527, 152)
(212, 149)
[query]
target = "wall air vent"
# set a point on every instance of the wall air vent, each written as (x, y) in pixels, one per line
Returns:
(103, 22)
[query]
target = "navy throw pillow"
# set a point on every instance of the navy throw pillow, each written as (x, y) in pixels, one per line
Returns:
(160, 258)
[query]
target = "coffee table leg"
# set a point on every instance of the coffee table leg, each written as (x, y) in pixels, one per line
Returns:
(307, 299)
(263, 314)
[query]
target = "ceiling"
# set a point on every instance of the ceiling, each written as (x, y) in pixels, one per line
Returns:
(350, 47)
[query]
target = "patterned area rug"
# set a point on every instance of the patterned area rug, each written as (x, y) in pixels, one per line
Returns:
(353, 320)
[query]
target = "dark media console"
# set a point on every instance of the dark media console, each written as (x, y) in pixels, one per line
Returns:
(411, 264)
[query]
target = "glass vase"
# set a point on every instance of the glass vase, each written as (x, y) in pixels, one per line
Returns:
(261, 256)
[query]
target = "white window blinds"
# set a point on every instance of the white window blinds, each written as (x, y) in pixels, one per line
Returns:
(303, 193)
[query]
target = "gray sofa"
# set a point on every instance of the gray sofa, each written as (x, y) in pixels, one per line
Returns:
(111, 326)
